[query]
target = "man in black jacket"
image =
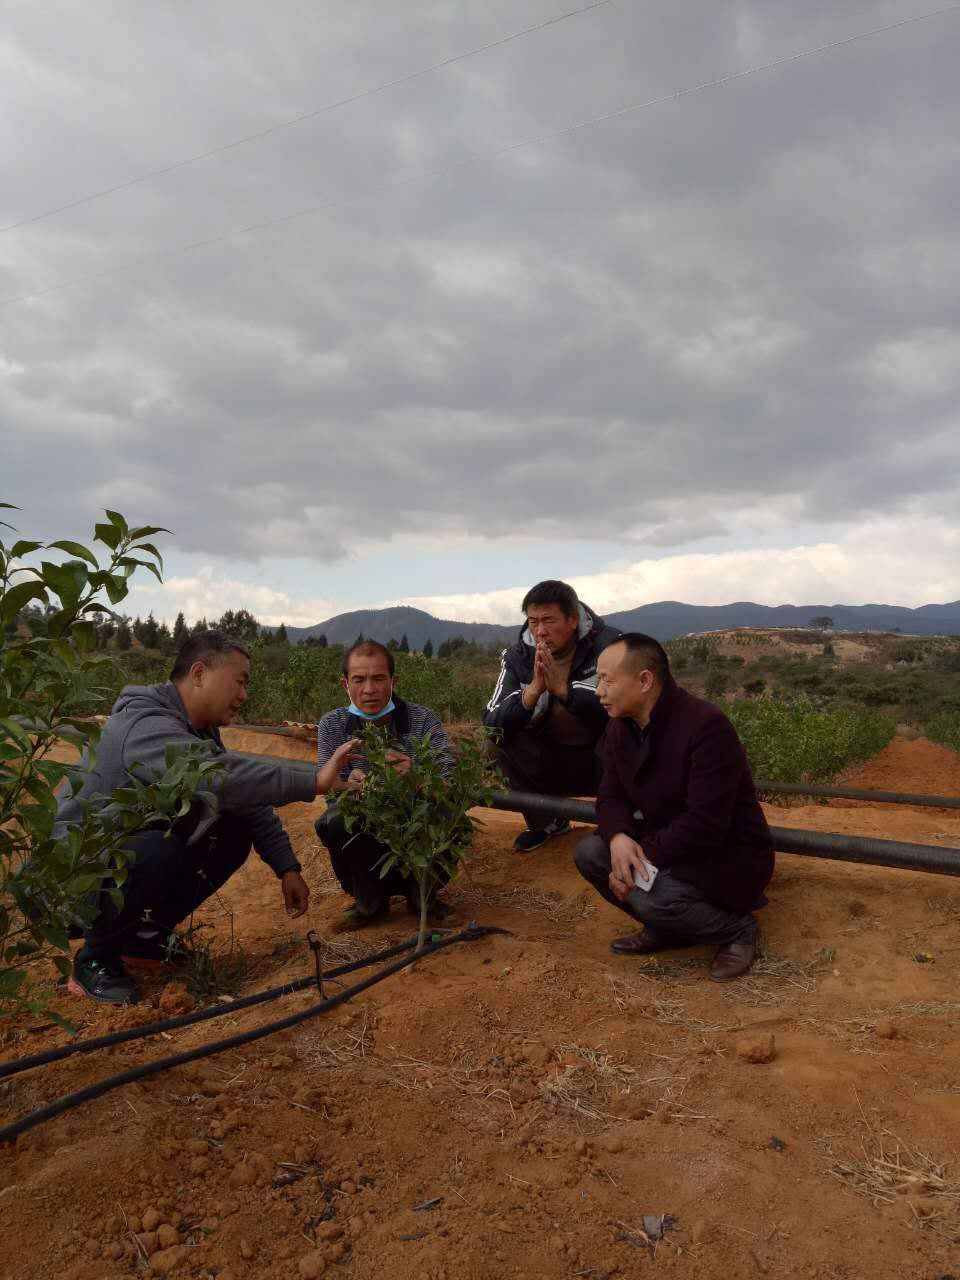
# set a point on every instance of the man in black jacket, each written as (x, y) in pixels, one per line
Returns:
(545, 703)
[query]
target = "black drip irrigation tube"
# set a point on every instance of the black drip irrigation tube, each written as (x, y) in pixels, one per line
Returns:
(11, 1132)
(852, 793)
(812, 844)
(821, 790)
(200, 1015)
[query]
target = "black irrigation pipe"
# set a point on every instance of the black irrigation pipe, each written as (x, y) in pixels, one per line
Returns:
(820, 790)
(30, 1121)
(188, 1019)
(813, 844)
(851, 793)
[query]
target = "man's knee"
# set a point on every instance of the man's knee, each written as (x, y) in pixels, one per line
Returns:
(330, 828)
(592, 857)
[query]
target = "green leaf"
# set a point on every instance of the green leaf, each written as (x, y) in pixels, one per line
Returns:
(117, 519)
(149, 547)
(75, 549)
(63, 1023)
(67, 580)
(131, 562)
(108, 534)
(15, 731)
(116, 587)
(18, 597)
(146, 531)
(23, 548)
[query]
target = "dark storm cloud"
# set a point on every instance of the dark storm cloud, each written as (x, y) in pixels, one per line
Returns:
(744, 299)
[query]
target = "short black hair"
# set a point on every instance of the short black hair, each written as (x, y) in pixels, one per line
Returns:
(211, 647)
(644, 654)
(368, 647)
(552, 592)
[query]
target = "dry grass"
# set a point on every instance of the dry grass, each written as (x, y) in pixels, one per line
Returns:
(587, 1082)
(548, 903)
(671, 1013)
(774, 977)
(888, 1171)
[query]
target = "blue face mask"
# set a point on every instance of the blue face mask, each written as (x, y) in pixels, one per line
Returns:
(355, 711)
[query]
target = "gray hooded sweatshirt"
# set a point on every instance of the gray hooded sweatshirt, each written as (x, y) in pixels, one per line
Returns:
(145, 720)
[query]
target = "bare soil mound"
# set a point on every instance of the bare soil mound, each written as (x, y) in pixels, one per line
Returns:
(531, 1105)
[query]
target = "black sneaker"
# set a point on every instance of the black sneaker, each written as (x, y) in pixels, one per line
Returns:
(527, 841)
(151, 948)
(103, 980)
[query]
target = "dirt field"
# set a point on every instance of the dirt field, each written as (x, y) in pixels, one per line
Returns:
(530, 1105)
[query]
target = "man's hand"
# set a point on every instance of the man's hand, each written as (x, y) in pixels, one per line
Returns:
(554, 680)
(296, 895)
(355, 780)
(399, 762)
(328, 775)
(537, 686)
(626, 858)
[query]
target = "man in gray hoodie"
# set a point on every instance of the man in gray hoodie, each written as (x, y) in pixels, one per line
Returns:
(173, 872)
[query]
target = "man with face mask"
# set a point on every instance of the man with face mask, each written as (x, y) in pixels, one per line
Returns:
(368, 679)
(545, 703)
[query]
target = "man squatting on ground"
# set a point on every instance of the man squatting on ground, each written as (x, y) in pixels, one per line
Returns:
(173, 872)
(682, 844)
(368, 678)
(545, 704)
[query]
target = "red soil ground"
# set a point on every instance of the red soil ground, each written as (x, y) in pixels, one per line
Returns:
(542, 1094)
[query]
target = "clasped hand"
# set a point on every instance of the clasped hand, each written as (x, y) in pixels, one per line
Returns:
(547, 676)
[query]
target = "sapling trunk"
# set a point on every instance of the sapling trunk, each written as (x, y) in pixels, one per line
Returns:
(424, 903)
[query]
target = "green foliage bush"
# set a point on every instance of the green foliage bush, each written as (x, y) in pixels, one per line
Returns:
(944, 728)
(422, 816)
(795, 740)
(49, 683)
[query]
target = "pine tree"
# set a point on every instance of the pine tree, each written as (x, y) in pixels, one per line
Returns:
(181, 632)
(428, 648)
(164, 639)
(404, 644)
(151, 632)
(281, 636)
(137, 629)
(124, 636)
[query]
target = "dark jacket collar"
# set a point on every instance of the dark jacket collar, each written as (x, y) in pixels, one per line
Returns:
(669, 697)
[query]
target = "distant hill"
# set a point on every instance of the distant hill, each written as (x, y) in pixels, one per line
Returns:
(394, 624)
(666, 620)
(669, 618)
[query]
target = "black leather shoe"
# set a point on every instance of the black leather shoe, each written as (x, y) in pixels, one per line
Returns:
(733, 961)
(643, 943)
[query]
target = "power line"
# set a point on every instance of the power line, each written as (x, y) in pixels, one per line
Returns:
(426, 175)
(301, 119)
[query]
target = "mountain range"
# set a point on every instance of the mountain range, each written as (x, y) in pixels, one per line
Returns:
(666, 620)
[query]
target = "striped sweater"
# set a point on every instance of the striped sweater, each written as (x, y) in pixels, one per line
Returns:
(407, 721)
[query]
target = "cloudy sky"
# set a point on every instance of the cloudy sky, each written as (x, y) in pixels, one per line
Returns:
(456, 331)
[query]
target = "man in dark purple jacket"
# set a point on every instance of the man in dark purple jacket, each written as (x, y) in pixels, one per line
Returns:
(682, 843)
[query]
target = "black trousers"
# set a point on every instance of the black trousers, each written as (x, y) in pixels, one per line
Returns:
(672, 910)
(533, 763)
(355, 858)
(167, 879)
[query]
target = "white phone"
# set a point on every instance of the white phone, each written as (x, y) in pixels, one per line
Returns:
(646, 885)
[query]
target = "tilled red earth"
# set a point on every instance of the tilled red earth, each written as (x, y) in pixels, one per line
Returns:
(530, 1105)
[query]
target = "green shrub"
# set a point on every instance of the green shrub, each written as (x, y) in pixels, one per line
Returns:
(50, 680)
(794, 740)
(422, 816)
(944, 728)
